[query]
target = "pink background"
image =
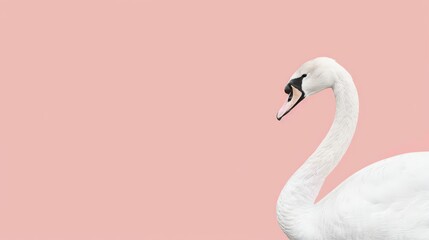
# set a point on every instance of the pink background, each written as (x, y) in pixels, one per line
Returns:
(155, 120)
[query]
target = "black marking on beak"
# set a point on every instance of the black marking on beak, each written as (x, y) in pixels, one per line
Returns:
(288, 90)
(296, 83)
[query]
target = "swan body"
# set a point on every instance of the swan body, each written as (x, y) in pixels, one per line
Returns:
(388, 199)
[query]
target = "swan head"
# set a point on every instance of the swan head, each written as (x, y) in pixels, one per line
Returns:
(312, 77)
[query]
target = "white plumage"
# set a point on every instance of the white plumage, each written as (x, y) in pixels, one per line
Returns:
(387, 200)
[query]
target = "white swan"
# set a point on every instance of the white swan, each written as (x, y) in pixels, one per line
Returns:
(387, 200)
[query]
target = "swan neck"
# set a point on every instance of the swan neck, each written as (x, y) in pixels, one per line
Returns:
(300, 192)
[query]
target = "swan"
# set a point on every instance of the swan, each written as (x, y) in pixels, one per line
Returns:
(388, 199)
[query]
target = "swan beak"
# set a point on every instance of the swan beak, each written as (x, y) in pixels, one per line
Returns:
(295, 97)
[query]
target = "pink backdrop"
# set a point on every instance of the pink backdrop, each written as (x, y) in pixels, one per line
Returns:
(155, 120)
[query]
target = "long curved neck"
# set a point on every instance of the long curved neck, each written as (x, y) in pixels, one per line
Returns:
(300, 192)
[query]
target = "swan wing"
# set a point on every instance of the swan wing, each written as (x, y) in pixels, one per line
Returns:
(386, 200)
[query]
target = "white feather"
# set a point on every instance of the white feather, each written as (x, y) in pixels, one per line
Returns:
(386, 200)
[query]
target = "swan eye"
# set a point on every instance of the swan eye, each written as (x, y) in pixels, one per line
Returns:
(304, 75)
